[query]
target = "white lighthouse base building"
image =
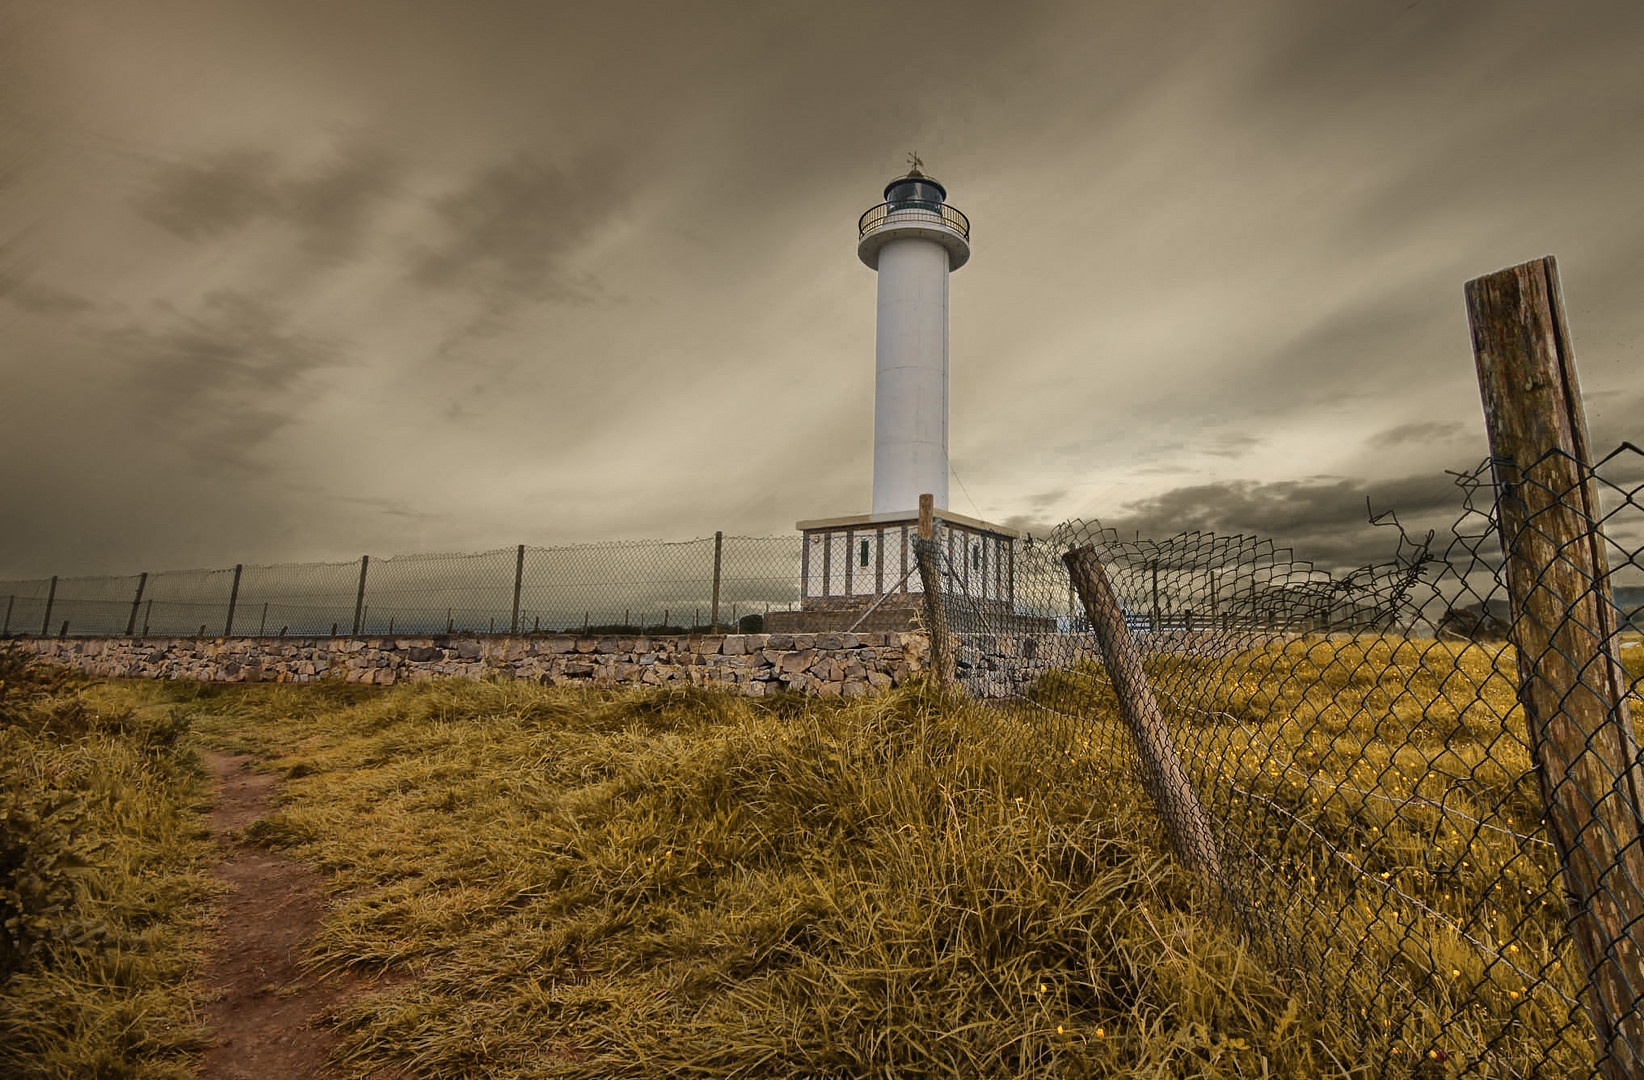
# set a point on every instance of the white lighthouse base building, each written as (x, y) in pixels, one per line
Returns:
(858, 572)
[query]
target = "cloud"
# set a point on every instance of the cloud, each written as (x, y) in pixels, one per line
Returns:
(508, 232)
(223, 380)
(1231, 444)
(1429, 432)
(199, 202)
(1325, 519)
(41, 299)
(331, 209)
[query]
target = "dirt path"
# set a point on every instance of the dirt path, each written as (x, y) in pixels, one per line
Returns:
(265, 1013)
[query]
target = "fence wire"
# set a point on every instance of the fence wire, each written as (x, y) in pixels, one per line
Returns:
(630, 586)
(1455, 885)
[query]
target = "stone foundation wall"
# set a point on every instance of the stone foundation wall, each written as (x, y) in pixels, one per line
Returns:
(825, 664)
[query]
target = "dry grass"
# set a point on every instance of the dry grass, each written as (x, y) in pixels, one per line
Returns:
(693, 884)
(1380, 819)
(109, 994)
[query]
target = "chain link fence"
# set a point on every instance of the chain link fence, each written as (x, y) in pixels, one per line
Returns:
(638, 586)
(1415, 785)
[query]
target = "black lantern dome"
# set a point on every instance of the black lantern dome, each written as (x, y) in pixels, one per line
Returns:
(915, 189)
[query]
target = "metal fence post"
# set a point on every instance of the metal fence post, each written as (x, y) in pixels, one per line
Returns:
(10, 600)
(359, 597)
(519, 578)
(233, 601)
(719, 547)
(1571, 683)
(1167, 781)
(136, 603)
(926, 557)
(51, 597)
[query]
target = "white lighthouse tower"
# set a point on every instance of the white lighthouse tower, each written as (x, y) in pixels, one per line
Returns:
(914, 239)
(858, 572)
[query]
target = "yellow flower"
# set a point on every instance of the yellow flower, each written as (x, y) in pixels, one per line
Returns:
(1041, 988)
(1059, 1029)
(1100, 1034)
(1455, 973)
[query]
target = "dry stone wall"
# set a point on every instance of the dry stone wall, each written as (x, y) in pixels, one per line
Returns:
(824, 664)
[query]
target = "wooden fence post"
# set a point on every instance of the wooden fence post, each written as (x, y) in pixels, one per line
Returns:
(1167, 781)
(10, 600)
(136, 603)
(1571, 683)
(51, 597)
(719, 547)
(930, 578)
(359, 597)
(519, 579)
(1158, 620)
(233, 601)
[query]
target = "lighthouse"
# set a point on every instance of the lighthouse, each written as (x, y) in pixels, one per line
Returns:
(858, 572)
(914, 239)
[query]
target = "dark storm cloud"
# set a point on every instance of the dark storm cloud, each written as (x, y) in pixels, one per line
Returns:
(222, 380)
(331, 209)
(1323, 519)
(39, 299)
(198, 202)
(510, 230)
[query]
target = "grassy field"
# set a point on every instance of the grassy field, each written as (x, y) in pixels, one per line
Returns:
(1379, 820)
(104, 890)
(694, 884)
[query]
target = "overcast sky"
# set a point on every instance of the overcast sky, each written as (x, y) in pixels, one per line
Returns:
(291, 280)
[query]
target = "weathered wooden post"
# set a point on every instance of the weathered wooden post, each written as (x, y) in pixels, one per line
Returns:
(926, 557)
(136, 603)
(359, 597)
(1571, 682)
(233, 601)
(519, 579)
(10, 601)
(1162, 772)
(51, 596)
(719, 547)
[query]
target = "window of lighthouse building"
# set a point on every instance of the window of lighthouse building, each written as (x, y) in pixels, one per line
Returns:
(838, 559)
(815, 561)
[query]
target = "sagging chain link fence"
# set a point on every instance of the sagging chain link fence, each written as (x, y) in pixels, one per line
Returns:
(618, 587)
(1415, 786)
